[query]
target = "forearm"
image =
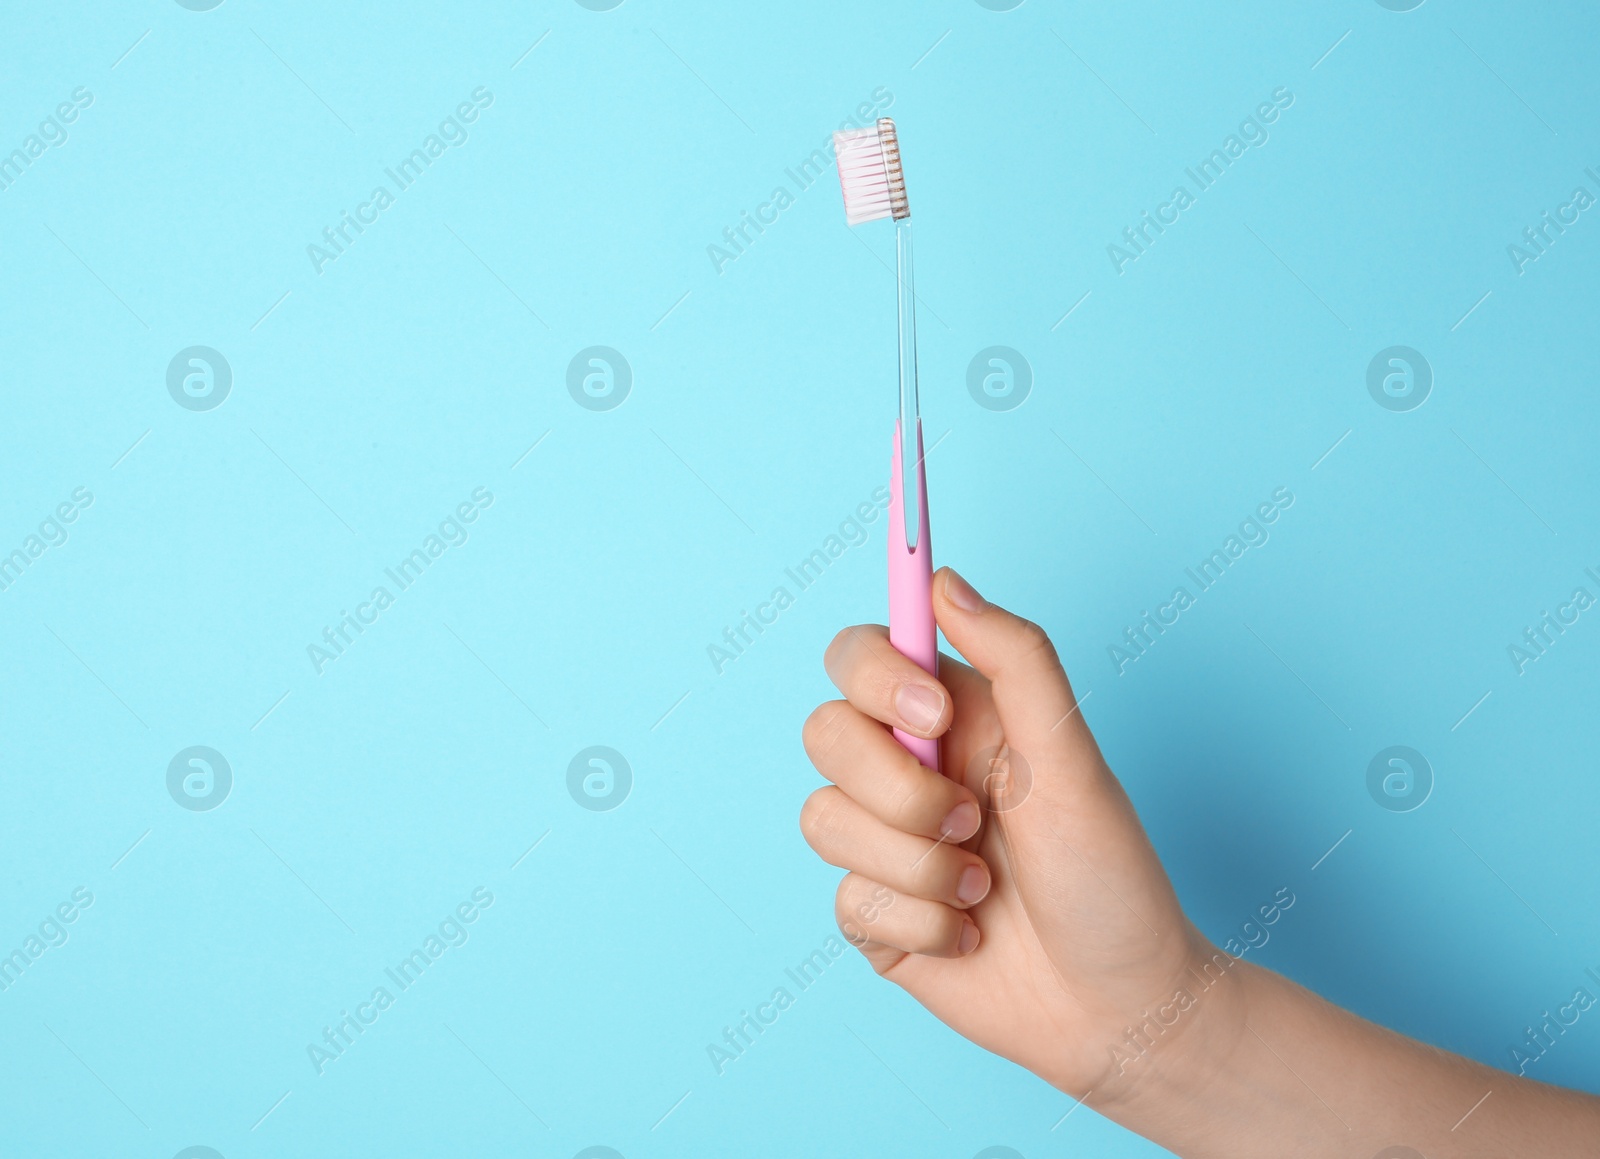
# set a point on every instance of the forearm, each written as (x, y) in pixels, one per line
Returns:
(1275, 1070)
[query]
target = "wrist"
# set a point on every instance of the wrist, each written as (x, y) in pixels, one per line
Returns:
(1174, 1051)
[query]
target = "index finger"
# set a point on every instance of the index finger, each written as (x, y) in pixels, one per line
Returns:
(876, 679)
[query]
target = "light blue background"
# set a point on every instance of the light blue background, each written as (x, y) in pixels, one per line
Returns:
(371, 799)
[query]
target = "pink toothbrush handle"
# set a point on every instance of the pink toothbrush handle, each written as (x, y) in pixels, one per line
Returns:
(911, 626)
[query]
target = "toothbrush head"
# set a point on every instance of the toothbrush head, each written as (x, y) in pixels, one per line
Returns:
(870, 175)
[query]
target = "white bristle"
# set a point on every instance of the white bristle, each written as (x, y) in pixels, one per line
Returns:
(870, 174)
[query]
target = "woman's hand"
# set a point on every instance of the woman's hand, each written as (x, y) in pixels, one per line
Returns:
(1019, 900)
(1016, 897)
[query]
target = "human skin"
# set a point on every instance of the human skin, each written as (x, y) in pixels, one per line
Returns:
(1029, 912)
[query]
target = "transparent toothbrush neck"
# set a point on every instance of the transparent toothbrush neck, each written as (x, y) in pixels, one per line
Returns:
(910, 449)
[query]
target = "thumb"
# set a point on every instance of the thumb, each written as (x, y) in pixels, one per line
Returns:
(1032, 695)
(1071, 838)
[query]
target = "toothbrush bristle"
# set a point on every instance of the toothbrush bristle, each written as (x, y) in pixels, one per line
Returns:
(870, 174)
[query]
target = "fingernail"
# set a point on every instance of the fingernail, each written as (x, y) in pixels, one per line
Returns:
(973, 884)
(969, 939)
(961, 823)
(919, 707)
(962, 594)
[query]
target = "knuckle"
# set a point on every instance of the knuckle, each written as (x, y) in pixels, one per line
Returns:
(844, 907)
(819, 817)
(1033, 645)
(841, 647)
(852, 659)
(822, 728)
(914, 803)
(901, 806)
(934, 876)
(842, 895)
(836, 647)
(944, 930)
(858, 906)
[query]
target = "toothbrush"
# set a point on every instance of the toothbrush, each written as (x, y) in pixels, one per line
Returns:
(874, 185)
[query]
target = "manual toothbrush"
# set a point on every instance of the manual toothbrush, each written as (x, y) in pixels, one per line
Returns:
(874, 185)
